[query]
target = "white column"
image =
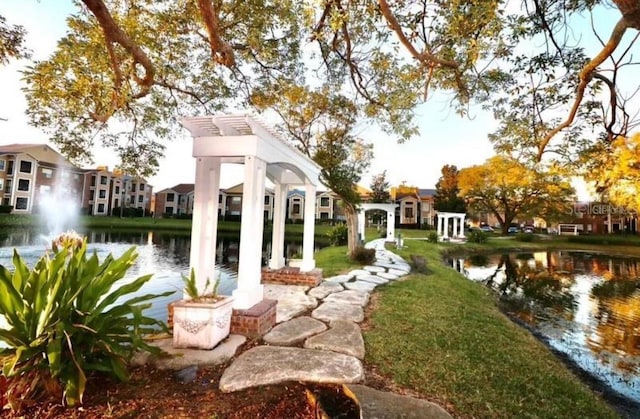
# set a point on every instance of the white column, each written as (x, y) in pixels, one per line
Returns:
(439, 225)
(250, 291)
(277, 240)
(204, 226)
(361, 222)
(391, 226)
(308, 262)
(445, 226)
(461, 235)
(454, 232)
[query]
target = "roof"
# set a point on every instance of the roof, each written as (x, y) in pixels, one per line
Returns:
(426, 192)
(181, 188)
(39, 152)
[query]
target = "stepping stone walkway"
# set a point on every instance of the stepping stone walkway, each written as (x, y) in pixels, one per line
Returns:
(331, 340)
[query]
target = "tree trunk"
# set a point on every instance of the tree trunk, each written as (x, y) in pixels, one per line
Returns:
(352, 226)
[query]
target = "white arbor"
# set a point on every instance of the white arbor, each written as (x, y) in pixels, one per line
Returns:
(242, 139)
(458, 224)
(391, 218)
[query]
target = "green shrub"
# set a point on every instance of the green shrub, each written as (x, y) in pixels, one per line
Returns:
(525, 237)
(363, 256)
(432, 237)
(338, 235)
(5, 209)
(66, 319)
(477, 236)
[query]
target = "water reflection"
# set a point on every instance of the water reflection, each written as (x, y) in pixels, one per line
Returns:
(587, 305)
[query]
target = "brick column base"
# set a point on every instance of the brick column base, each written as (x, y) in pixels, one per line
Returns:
(292, 276)
(255, 321)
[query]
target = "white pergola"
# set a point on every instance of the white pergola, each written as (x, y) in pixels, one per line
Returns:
(458, 224)
(391, 218)
(243, 139)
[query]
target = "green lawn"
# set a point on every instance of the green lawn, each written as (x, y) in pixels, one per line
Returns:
(444, 337)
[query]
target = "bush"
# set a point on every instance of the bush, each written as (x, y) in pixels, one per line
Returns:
(363, 256)
(477, 236)
(525, 237)
(63, 321)
(432, 237)
(5, 209)
(338, 235)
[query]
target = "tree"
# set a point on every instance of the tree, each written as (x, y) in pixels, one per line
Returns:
(615, 171)
(11, 42)
(320, 123)
(446, 198)
(509, 189)
(136, 66)
(380, 188)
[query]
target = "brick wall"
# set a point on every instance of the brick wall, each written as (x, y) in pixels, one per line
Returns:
(255, 321)
(292, 276)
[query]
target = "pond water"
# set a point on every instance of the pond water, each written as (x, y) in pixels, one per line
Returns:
(165, 255)
(586, 305)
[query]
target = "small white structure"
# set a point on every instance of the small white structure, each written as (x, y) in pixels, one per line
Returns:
(391, 218)
(242, 139)
(458, 224)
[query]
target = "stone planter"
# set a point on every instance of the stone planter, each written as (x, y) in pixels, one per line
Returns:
(201, 325)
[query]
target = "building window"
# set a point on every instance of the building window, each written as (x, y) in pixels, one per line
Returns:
(140, 198)
(93, 180)
(47, 173)
(1, 184)
(103, 180)
(141, 187)
(25, 166)
(324, 201)
(2, 164)
(22, 203)
(236, 200)
(117, 190)
(219, 199)
(408, 212)
(23, 185)
(102, 194)
(171, 197)
(7, 188)
(133, 187)
(324, 215)
(92, 195)
(296, 209)
(168, 210)
(267, 199)
(100, 208)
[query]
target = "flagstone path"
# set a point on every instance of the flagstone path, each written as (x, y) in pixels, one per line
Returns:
(324, 347)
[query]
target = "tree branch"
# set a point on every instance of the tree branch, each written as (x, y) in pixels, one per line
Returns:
(221, 51)
(586, 75)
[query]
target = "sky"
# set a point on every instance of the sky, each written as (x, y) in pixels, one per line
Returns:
(445, 138)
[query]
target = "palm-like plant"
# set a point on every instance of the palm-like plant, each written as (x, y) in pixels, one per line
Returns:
(66, 319)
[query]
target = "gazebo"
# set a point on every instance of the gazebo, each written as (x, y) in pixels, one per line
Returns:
(243, 139)
(391, 218)
(458, 224)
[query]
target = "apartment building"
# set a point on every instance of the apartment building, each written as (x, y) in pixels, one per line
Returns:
(31, 174)
(177, 200)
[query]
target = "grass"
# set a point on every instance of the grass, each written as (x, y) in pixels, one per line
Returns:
(334, 260)
(444, 337)
(146, 223)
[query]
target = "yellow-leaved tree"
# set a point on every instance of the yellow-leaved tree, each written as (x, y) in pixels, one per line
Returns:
(617, 174)
(510, 190)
